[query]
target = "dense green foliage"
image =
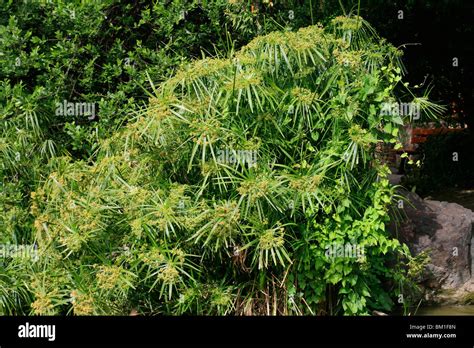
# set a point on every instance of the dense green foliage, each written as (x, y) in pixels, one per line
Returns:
(138, 208)
(162, 224)
(102, 52)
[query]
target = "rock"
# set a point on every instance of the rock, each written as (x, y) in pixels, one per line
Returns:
(445, 229)
(462, 295)
(472, 254)
(395, 179)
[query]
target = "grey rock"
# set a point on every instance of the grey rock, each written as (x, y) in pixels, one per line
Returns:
(445, 229)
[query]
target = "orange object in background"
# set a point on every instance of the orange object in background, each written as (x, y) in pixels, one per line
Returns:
(420, 135)
(416, 136)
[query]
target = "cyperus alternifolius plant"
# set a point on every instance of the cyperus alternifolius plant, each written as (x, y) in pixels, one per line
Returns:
(164, 223)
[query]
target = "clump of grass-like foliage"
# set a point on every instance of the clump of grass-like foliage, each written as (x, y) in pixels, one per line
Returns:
(161, 224)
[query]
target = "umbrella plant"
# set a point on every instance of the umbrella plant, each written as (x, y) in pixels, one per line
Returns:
(163, 223)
